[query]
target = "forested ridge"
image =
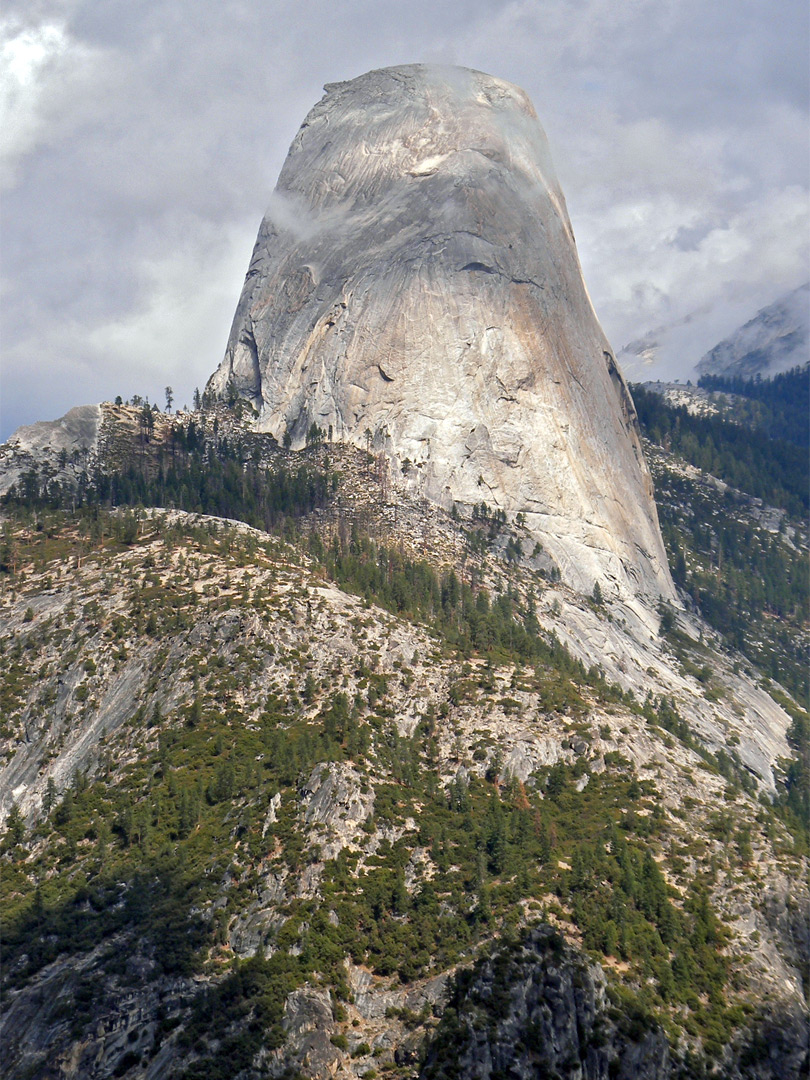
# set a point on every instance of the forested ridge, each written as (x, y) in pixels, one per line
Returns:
(216, 476)
(783, 401)
(769, 468)
(736, 559)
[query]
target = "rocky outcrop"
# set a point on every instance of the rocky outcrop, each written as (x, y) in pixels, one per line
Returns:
(332, 796)
(76, 430)
(60, 446)
(538, 1009)
(308, 1024)
(415, 290)
(54, 455)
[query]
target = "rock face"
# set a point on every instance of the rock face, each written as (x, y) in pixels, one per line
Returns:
(58, 444)
(540, 1011)
(415, 290)
(76, 430)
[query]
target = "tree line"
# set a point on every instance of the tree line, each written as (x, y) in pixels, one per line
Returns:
(199, 478)
(772, 469)
(783, 400)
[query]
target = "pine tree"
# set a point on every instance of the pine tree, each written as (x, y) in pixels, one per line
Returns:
(50, 796)
(15, 826)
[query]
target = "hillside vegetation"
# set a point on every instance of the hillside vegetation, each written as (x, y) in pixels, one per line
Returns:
(300, 774)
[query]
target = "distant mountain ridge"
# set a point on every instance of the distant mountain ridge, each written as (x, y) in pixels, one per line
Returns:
(775, 340)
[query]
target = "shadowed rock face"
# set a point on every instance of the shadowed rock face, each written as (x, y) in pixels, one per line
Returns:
(415, 288)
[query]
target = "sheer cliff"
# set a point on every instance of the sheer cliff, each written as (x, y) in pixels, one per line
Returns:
(415, 290)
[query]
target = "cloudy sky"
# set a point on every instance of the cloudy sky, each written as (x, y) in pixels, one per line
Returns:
(141, 141)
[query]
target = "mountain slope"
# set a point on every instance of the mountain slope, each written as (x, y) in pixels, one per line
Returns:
(250, 761)
(775, 340)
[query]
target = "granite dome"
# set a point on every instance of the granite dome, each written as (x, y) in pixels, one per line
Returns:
(415, 287)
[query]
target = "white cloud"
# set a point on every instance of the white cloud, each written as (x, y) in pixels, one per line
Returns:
(173, 336)
(42, 73)
(188, 295)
